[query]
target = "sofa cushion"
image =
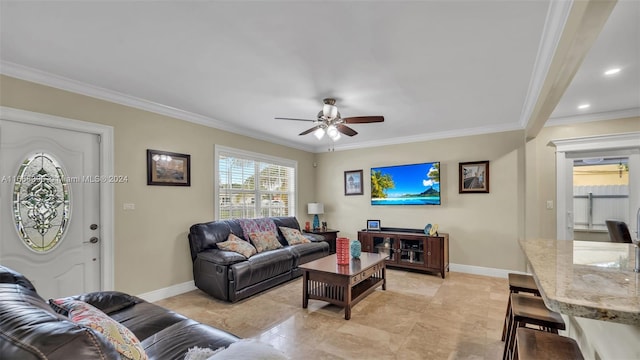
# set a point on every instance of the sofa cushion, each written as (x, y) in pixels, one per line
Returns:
(146, 319)
(285, 221)
(265, 240)
(293, 236)
(30, 329)
(108, 301)
(237, 245)
(10, 276)
(81, 313)
(261, 267)
(174, 341)
(304, 253)
(204, 236)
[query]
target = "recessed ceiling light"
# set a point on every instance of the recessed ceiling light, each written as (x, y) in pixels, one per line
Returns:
(612, 71)
(583, 106)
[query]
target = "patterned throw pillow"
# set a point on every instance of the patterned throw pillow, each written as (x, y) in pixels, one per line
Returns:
(125, 342)
(257, 225)
(265, 240)
(238, 245)
(293, 236)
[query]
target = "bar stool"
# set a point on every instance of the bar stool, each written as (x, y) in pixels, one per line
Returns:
(518, 283)
(529, 310)
(539, 345)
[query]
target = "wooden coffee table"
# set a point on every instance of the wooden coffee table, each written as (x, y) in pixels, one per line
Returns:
(343, 285)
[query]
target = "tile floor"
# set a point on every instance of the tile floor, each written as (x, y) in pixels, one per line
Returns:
(419, 316)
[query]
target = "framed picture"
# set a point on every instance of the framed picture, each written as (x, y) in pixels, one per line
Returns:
(353, 182)
(474, 177)
(373, 225)
(167, 168)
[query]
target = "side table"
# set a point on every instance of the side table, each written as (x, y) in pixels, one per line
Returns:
(330, 236)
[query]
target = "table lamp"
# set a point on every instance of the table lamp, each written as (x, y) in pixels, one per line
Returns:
(315, 209)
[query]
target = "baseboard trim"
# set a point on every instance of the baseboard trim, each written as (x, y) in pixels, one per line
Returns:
(169, 291)
(184, 287)
(480, 270)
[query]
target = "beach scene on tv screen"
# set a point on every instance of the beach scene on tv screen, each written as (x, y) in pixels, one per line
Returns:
(414, 184)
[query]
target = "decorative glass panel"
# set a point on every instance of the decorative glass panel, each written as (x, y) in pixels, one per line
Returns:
(41, 204)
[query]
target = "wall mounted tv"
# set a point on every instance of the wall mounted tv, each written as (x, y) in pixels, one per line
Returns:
(413, 184)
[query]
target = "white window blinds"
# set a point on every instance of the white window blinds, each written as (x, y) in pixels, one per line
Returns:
(252, 185)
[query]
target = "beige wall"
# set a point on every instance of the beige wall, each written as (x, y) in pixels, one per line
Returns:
(483, 228)
(541, 175)
(151, 247)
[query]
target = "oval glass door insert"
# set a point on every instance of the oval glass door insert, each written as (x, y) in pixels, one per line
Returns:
(41, 202)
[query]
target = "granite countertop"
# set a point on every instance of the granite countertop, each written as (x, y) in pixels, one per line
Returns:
(588, 279)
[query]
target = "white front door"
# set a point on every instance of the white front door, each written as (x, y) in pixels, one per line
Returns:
(50, 232)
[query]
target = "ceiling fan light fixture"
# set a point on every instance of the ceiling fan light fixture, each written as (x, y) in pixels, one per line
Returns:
(333, 133)
(319, 133)
(329, 111)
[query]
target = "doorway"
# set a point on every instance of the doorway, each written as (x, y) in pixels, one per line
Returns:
(568, 151)
(57, 213)
(600, 193)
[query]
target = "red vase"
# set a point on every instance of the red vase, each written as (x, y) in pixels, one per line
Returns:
(342, 250)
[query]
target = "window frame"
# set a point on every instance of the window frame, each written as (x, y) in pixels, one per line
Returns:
(221, 150)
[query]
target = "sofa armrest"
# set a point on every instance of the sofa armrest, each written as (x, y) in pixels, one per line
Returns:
(314, 237)
(109, 301)
(221, 257)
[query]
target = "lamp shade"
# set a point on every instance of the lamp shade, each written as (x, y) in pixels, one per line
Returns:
(315, 208)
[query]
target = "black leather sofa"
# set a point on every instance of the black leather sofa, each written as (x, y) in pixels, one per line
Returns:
(229, 276)
(31, 329)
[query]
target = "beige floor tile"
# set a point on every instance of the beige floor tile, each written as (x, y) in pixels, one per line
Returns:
(419, 316)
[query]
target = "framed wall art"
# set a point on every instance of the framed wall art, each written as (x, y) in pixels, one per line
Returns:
(474, 177)
(353, 182)
(168, 168)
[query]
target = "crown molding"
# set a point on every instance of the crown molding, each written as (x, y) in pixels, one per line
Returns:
(608, 115)
(429, 136)
(556, 19)
(74, 86)
(59, 82)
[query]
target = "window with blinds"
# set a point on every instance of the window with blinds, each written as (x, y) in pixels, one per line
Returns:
(252, 185)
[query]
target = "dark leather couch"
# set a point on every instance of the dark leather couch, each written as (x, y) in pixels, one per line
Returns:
(229, 276)
(31, 329)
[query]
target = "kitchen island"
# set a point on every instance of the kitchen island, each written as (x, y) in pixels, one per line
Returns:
(594, 286)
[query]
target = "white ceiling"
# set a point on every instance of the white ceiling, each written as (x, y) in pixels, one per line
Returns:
(433, 69)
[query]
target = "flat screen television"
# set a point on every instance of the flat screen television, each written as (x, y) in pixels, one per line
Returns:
(412, 184)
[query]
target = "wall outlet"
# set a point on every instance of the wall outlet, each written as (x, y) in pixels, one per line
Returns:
(549, 204)
(128, 206)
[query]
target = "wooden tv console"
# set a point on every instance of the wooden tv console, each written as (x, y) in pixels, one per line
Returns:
(409, 248)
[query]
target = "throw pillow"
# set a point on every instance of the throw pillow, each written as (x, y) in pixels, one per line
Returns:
(249, 349)
(257, 225)
(265, 240)
(293, 236)
(81, 313)
(238, 245)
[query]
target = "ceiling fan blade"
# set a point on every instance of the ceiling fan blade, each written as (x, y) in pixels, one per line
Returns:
(363, 119)
(310, 130)
(346, 130)
(279, 118)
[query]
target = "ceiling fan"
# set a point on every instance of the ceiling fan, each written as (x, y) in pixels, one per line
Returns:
(330, 122)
